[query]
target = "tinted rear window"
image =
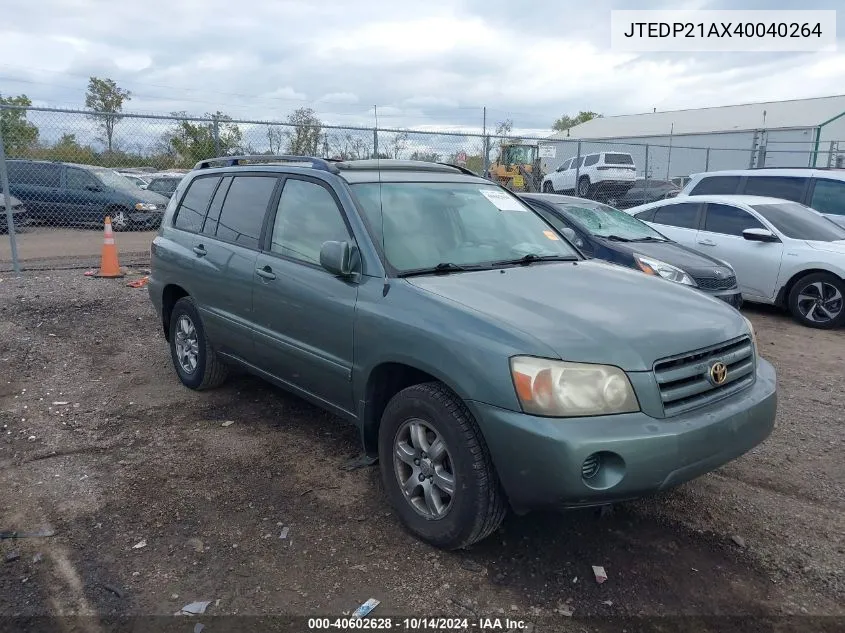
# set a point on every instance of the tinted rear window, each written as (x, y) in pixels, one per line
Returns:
(795, 221)
(618, 159)
(37, 174)
(776, 187)
(683, 215)
(244, 210)
(715, 185)
(191, 212)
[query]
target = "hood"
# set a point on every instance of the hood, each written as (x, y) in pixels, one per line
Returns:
(829, 247)
(593, 311)
(695, 263)
(15, 202)
(144, 195)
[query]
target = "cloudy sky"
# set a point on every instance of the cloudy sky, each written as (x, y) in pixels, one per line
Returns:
(430, 65)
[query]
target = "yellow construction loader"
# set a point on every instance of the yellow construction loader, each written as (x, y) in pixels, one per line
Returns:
(517, 166)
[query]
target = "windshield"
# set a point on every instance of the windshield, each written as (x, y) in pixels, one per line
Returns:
(800, 223)
(519, 154)
(466, 224)
(164, 185)
(114, 180)
(604, 221)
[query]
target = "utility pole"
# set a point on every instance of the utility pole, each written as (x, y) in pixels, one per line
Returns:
(485, 145)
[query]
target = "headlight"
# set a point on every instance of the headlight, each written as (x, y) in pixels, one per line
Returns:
(562, 389)
(145, 206)
(753, 335)
(652, 266)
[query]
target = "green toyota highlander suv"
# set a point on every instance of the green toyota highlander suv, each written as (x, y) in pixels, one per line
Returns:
(485, 361)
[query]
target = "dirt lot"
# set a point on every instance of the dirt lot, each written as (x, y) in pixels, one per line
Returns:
(44, 247)
(100, 442)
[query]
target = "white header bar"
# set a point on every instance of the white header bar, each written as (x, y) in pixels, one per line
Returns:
(723, 31)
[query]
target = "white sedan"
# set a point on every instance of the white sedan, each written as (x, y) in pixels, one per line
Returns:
(784, 253)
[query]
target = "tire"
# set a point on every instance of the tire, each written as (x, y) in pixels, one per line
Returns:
(547, 187)
(209, 371)
(583, 186)
(816, 292)
(124, 224)
(477, 506)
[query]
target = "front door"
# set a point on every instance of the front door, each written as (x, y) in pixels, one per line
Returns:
(757, 264)
(85, 196)
(305, 316)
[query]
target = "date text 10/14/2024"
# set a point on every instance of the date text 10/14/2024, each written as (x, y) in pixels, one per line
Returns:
(419, 624)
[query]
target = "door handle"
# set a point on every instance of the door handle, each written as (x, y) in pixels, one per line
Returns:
(706, 243)
(200, 251)
(266, 272)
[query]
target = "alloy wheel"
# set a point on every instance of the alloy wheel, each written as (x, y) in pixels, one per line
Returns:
(187, 344)
(423, 468)
(820, 302)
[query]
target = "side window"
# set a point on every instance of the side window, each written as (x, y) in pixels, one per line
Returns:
(307, 217)
(592, 159)
(646, 216)
(776, 187)
(242, 215)
(829, 197)
(80, 179)
(191, 212)
(565, 165)
(711, 185)
(38, 174)
(210, 226)
(728, 220)
(577, 162)
(683, 215)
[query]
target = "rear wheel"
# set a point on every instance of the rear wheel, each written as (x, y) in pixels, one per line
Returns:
(583, 186)
(547, 187)
(194, 359)
(436, 468)
(816, 301)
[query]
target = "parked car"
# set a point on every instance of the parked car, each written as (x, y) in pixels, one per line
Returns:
(140, 181)
(485, 362)
(645, 191)
(784, 253)
(820, 189)
(600, 231)
(67, 193)
(596, 175)
(164, 184)
(19, 214)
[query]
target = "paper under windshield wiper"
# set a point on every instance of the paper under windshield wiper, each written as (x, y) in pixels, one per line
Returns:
(442, 267)
(534, 257)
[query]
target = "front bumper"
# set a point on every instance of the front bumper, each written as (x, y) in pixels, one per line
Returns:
(731, 297)
(150, 219)
(539, 460)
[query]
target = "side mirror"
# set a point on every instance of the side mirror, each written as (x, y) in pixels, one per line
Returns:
(671, 194)
(339, 258)
(142, 186)
(570, 234)
(759, 235)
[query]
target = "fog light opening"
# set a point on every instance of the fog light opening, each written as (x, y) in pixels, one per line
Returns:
(591, 466)
(602, 470)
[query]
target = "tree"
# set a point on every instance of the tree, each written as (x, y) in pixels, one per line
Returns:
(305, 137)
(274, 138)
(105, 98)
(565, 122)
(18, 133)
(429, 157)
(396, 145)
(193, 141)
(349, 147)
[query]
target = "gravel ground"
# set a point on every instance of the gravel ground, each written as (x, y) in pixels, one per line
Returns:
(101, 442)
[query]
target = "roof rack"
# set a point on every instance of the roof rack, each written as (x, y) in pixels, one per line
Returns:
(392, 164)
(231, 161)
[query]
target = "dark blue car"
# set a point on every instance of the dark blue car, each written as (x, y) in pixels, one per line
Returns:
(602, 232)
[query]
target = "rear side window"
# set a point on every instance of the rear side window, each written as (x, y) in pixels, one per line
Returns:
(37, 174)
(683, 215)
(243, 211)
(210, 226)
(728, 220)
(592, 159)
(191, 212)
(776, 187)
(716, 185)
(618, 159)
(829, 197)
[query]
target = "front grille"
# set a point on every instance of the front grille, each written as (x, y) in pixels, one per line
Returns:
(684, 380)
(711, 283)
(590, 467)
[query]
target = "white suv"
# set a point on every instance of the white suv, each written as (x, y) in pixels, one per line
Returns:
(606, 175)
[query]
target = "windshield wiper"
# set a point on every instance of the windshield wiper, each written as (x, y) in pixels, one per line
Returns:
(649, 239)
(616, 238)
(442, 267)
(533, 257)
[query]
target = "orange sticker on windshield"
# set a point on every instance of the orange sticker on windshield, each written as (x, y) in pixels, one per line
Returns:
(550, 235)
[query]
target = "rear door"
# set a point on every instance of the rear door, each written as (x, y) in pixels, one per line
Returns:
(305, 316)
(678, 221)
(827, 196)
(226, 249)
(39, 187)
(757, 264)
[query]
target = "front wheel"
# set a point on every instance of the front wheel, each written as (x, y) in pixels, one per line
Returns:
(816, 301)
(194, 359)
(119, 219)
(436, 468)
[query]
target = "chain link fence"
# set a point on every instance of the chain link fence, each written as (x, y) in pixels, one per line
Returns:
(63, 171)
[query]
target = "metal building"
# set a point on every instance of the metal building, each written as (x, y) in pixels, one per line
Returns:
(675, 144)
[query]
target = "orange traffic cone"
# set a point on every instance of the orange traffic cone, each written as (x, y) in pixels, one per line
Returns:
(109, 266)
